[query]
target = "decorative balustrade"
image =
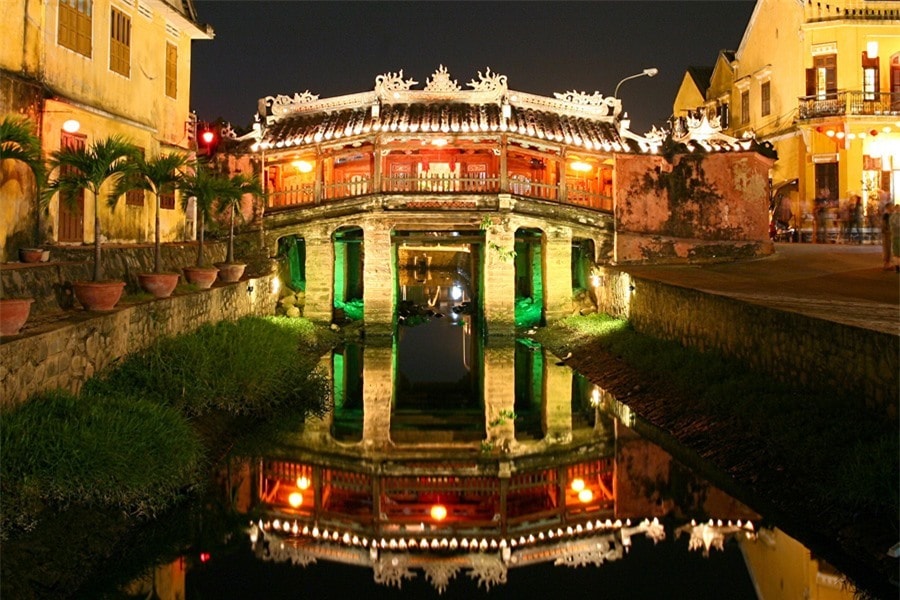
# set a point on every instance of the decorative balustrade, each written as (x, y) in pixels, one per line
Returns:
(580, 192)
(849, 103)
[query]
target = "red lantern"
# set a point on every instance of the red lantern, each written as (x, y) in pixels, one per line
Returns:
(873, 132)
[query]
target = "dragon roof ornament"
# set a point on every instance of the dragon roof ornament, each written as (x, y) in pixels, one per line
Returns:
(487, 88)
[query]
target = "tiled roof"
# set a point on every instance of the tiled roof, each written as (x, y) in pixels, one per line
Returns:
(448, 118)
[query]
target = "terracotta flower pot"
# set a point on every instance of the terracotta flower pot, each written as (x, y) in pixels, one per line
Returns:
(161, 285)
(98, 295)
(202, 277)
(13, 314)
(230, 272)
(31, 255)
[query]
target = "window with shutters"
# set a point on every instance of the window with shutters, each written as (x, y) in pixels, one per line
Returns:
(821, 79)
(74, 31)
(745, 107)
(765, 94)
(135, 197)
(120, 42)
(870, 77)
(167, 200)
(171, 70)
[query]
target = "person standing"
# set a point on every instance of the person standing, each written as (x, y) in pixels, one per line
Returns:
(856, 217)
(887, 209)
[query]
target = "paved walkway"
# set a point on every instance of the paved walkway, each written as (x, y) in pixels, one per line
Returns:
(838, 283)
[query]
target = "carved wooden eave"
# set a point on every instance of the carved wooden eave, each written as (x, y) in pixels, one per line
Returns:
(443, 107)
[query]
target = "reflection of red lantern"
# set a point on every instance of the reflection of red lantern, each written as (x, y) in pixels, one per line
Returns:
(873, 132)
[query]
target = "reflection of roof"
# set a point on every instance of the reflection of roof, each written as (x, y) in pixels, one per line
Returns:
(448, 118)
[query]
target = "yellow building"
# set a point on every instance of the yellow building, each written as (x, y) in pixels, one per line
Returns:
(82, 70)
(821, 82)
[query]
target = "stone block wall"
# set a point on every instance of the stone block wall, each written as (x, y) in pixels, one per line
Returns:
(789, 346)
(66, 356)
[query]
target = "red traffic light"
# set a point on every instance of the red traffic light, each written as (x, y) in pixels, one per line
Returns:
(207, 137)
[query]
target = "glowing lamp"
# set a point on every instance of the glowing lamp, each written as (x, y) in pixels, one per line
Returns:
(295, 499)
(207, 137)
(438, 512)
(595, 398)
(585, 496)
(580, 166)
(204, 557)
(303, 166)
(830, 133)
(873, 132)
(578, 484)
(71, 126)
(456, 292)
(303, 482)
(439, 142)
(839, 135)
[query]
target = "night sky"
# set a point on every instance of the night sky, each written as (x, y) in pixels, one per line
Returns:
(264, 48)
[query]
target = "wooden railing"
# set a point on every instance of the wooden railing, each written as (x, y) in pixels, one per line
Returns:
(579, 193)
(849, 103)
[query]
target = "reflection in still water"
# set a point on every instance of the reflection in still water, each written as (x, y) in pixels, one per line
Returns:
(445, 484)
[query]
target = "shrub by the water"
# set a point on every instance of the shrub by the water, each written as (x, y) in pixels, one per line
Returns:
(109, 451)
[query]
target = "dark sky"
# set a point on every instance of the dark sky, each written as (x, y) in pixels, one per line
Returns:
(331, 48)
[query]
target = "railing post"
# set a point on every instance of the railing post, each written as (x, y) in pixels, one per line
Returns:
(376, 168)
(504, 175)
(320, 175)
(561, 177)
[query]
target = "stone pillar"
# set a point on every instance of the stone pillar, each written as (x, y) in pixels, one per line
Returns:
(319, 427)
(319, 275)
(378, 389)
(557, 273)
(378, 279)
(499, 290)
(500, 395)
(557, 416)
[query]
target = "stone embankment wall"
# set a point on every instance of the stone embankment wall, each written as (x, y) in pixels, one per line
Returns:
(70, 351)
(62, 345)
(791, 347)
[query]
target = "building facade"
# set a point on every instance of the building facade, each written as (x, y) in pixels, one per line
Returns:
(821, 82)
(82, 70)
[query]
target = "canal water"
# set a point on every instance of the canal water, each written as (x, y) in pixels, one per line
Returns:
(448, 466)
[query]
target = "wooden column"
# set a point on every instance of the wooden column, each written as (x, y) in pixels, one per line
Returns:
(504, 175)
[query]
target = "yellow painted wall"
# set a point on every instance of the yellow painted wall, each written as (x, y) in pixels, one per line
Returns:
(782, 569)
(104, 102)
(688, 97)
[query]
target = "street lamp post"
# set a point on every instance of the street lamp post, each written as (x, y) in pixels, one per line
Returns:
(649, 72)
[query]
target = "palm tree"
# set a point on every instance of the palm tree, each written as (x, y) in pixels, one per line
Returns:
(240, 184)
(205, 185)
(89, 168)
(158, 175)
(18, 142)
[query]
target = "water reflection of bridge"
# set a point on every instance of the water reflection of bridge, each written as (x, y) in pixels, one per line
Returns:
(574, 491)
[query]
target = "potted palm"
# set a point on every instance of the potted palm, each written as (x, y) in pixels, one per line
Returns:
(19, 143)
(240, 184)
(89, 168)
(157, 175)
(205, 185)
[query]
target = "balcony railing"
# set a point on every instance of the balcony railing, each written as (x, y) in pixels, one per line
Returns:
(584, 193)
(849, 103)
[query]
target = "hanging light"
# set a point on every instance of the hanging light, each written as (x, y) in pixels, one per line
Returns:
(438, 512)
(295, 499)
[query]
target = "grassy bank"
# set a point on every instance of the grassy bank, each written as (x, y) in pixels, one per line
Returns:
(145, 432)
